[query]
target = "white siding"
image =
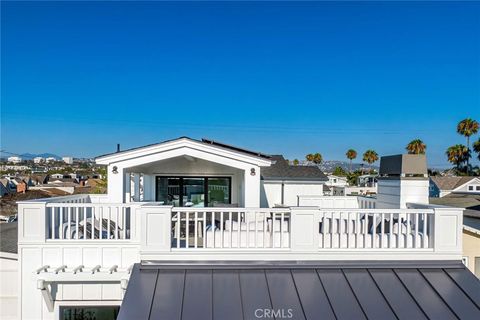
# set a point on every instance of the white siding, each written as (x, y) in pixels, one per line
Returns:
(272, 192)
(8, 287)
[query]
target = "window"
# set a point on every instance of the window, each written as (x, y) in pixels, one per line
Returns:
(470, 188)
(89, 313)
(478, 188)
(194, 191)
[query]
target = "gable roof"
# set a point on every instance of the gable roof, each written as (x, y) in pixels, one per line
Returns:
(282, 170)
(306, 290)
(203, 140)
(450, 183)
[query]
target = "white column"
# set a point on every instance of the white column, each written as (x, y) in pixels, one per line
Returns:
(252, 187)
(116, 184)
(305, 224)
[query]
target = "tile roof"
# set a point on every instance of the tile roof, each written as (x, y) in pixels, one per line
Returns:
(8, 237)
(303, 290)
(282, 170)
(450, 183)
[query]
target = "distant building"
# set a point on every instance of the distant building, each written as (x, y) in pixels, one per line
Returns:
(5, 187)
(14, 159)
(14, 167)
(367, 180)
(38, 159)
(68, 160)
(50, 159)
(442, 186)
(336, 181)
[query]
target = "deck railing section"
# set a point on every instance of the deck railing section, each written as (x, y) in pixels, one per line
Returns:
(230, 228)
(160, 230)
(376, 229)
(88, 221)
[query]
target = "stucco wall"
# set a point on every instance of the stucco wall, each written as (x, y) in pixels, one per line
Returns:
(8, 287)
(471, 249)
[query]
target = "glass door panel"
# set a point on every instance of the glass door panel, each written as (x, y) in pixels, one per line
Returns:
(193, 194)
(218, 192)
(168, 191)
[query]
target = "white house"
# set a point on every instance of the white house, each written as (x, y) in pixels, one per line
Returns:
(196, 229)
(50, 159)
(14, 159)
(68, 160)
(442, 186)
(38, 160)
(336, 181)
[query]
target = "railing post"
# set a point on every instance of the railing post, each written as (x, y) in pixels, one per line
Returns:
(305, 229)
(447, 230)
(32, 221)
(156, 229)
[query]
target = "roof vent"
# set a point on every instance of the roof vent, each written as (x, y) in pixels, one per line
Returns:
(118, 147)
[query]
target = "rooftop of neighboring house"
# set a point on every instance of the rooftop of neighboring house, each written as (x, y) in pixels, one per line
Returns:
(282, 170)
(471, 202)
(450, 183)
(8, 237)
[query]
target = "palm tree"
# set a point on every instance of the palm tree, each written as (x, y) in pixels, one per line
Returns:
(476, 148)
(370, 156)
(467, 127)
(317, 158)
(295, 162)
(457, 154)
(416, 147)
(309, 157)
(351, 154)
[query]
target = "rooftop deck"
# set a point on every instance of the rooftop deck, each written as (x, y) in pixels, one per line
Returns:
(322, 228)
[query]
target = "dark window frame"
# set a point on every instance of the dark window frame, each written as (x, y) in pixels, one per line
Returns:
(63, 307)
(205, 186)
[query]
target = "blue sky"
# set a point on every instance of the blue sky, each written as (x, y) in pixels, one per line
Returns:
(77, 78)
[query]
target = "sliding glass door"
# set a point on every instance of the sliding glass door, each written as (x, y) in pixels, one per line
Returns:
(194, 191)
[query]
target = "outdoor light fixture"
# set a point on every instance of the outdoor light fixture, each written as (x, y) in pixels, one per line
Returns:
(115, 169)
(252, 172)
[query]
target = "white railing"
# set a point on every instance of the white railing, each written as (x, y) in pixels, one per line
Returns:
(155, 231)
(376, 229)
(366, 202)
(230, 228)
(88, 221)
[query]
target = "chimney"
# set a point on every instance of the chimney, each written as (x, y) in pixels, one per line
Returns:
(118, 147)
(403, 179)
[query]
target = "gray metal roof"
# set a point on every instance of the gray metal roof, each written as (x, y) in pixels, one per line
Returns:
(339, 290)
(8, 237)
(282, 170)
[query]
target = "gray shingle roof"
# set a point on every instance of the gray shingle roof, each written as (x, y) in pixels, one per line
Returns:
(312, 290)
(8, 237)
(281, 170)
(450, 183)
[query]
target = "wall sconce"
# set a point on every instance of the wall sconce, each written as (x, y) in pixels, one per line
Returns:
(252, 172)
(115, 170)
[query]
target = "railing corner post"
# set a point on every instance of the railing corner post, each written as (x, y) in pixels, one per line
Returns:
(447, 230)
